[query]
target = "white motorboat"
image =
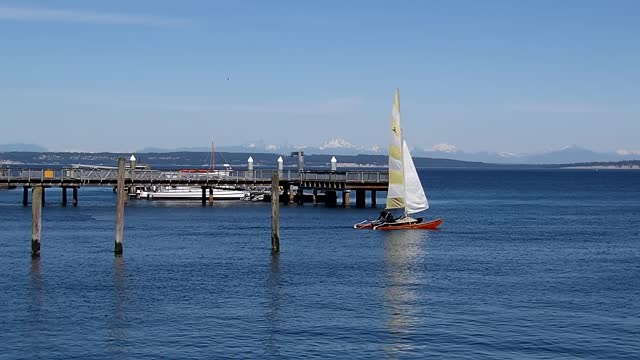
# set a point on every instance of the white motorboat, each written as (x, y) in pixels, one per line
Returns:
(190, 192)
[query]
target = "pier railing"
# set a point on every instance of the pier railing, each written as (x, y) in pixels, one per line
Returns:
(107, 177)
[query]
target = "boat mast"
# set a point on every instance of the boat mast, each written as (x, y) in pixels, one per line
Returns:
(213, 164)
(404, 185)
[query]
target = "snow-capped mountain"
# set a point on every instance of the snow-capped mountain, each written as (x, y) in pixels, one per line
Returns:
(566, 155)
(337, 143)
(340, 146)
(334, 146)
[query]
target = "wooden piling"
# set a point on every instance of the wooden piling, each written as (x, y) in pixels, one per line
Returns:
(204, 196)
(25, 196)
(121, 195)
(75, 196)
(360, 198)
(275, 213)
(315, 197)
(346, 198)
(36, 221)
(291, 195)
(330, 198)
(373, 198)
(64, 196)
(300, 196)
(210, 196)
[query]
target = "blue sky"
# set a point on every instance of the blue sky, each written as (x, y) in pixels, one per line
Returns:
(479, 75)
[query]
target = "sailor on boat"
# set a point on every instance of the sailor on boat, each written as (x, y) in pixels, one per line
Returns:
(385, 217)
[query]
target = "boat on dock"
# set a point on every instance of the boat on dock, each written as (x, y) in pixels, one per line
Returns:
(196, 192)
(190, 193)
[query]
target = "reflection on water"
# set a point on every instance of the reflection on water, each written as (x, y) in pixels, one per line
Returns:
(38, 290)
(404, 274)
(274, 287)
(118, 324)
(164, 203)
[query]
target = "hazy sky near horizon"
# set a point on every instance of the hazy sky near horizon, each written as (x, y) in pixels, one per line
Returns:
(507, 76)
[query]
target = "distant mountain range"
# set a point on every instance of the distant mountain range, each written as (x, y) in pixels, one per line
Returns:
(568, 155)
(22, 147)
(336, 146)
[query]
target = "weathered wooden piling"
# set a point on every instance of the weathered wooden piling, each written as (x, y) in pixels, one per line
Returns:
(373, 198)
(75, 196)
(292, 195)
(204, 196)
(275, 213)
(121, 195)
(300, 196)
(36, 220)
(315, 197)
(346, 198)
(64, 196)
(25, 196)
(210, 196)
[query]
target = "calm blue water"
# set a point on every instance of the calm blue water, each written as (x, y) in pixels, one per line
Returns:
(528, 265)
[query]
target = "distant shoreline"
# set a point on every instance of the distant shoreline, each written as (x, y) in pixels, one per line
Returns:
(269, 160)
(606, 167)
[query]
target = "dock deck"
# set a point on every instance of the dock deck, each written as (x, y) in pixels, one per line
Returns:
(73, 177)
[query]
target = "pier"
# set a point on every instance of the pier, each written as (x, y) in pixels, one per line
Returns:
(287, 185)
(331, 182)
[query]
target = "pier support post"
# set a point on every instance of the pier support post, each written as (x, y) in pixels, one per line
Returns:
(300, 196)
(25, 196)
(330, 198)
(36, 221)
(75, 196)
(210, 196)
(360, 198)
(285, 193)
(315, 197)
(346, 198)
(204, 196)
(275, 213)
(121, 195)
(292, 195)
(64, 196)
(374, 202)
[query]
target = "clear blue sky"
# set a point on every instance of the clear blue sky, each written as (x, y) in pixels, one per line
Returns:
(507, 75)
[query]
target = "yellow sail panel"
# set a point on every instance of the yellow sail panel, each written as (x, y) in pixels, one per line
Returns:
(396, 177)
(395, 192)
(395, 153)
(395, 203)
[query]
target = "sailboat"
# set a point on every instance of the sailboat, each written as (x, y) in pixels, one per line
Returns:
(405, 190)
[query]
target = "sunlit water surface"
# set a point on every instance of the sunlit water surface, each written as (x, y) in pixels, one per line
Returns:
(527, 265)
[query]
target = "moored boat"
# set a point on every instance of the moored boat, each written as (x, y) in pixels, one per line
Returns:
(190, 193)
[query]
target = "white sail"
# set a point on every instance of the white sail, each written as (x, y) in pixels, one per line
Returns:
(414, 197)
(395, 192)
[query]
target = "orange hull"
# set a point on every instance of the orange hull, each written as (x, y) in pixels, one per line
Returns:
(429, 225)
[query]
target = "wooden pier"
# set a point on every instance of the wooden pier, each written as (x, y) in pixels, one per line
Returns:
(330, 182)
(282, 184)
